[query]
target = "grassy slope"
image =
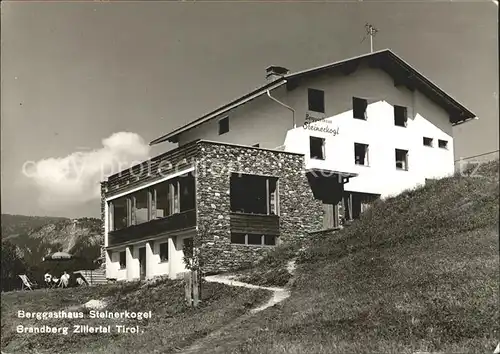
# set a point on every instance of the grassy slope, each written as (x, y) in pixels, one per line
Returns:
(271, 270)
(417, 272)
(173, 323)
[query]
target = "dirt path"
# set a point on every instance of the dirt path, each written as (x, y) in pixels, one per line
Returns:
(279, 294)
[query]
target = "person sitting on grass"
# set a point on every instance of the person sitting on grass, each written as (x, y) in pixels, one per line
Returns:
(48, 279)
(64, 280)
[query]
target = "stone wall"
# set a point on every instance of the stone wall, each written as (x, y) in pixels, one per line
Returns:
(300, 213)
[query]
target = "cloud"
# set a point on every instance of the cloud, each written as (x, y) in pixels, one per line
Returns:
(75, 179)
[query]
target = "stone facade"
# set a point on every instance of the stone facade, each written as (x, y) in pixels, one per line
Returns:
(300, 213)
(214, 162)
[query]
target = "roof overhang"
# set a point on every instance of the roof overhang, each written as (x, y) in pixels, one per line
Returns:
(321, 172)
(402, 73)
(173, 136)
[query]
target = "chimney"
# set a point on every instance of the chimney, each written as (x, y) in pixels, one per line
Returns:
(274, 72)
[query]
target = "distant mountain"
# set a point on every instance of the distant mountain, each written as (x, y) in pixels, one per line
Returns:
(15, 225)
(36, 237)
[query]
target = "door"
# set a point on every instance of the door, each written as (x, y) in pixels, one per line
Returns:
(330, 216)
(142, 262)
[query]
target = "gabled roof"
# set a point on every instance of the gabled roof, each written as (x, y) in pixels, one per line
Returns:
(386, 60)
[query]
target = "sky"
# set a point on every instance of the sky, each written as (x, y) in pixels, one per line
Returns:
(89, 83)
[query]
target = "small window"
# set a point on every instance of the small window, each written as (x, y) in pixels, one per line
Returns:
(428, 141)
(443, 144)
(316, 100)
(123, 260)
(253, 239)
(359, 106)
(164, 252)
(402, 159)
(238, 238)
(269, 240)
(223, 125)
(400, 116)
(361, 154)
(317, 148)
(256, 145)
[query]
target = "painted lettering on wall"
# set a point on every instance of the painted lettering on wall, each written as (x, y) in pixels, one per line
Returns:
(309, 124)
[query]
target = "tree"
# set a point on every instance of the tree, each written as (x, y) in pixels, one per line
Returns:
(192, 248)
(194, 261)
(12, 265)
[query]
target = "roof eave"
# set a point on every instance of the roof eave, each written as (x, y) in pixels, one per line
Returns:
(174, 135)
(462, 121)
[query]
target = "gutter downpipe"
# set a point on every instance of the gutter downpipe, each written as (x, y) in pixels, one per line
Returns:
(284, 105)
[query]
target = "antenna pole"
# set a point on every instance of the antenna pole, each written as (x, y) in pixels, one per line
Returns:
(371, 31)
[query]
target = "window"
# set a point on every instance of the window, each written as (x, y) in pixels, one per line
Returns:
(119, 213)
(361, 154)
(400, 116)
(123, 260)
(269, 240)
(359, 106)
(140, 207)
(316, 100)
(187, 193)
(175, 196)
(253, 239)
(402, 159)
(256, 145)
(164, 252)
(317, 148)
(238, 238)
(163, 199)
(428, 141)
(254, 194)
(223, 125)
(443, 144)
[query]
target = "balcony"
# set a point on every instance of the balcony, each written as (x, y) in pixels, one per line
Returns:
(175, 222)
(255, 224)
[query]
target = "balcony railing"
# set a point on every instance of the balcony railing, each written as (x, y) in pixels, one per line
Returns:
(170, 223)
(255, 224)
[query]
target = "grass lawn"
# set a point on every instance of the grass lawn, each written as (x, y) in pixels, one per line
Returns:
(272, 269)
(418, 272)
(173, 324)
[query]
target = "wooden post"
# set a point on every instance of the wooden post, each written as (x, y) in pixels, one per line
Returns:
(196, 289)
(188, 280)
(349, 201)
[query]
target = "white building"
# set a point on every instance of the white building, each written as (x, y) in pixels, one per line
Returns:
(372, 122)
(373, 116)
